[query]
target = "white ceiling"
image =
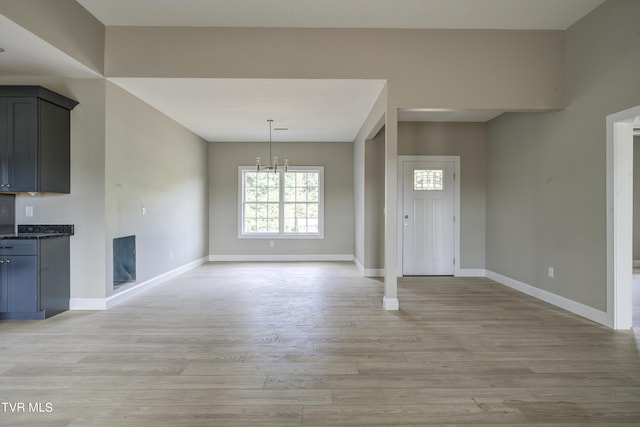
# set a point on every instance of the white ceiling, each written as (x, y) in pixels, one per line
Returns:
(238, 109)
(480, 14)
(312, 110)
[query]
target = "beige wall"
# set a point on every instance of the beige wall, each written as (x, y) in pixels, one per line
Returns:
(469, 141)
(370, 128)
(337, 159)
(122, 152)
(374, 202)
(84, 207)
(64, 24)
(546, 172)
(154, 162)
(428, 68)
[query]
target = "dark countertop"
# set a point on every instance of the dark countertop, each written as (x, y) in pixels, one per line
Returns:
(25, 236)
(40, 232)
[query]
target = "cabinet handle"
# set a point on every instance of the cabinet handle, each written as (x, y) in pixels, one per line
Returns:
(6, 247)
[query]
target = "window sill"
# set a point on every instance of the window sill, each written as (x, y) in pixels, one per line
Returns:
(281, 236)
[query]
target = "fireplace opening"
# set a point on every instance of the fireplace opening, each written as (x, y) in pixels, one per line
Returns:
(124, 261)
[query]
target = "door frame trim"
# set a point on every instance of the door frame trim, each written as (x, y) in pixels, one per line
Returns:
(456, 203)
(619, 202)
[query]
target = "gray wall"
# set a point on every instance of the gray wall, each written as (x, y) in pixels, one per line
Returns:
(546, 171)
(374, 202)
(369, 130)
(636, 198)
(154, 162)
(64, 24)
(337, 159)
(469, 141)
(84, 207)
(437, 68)
(124, 151)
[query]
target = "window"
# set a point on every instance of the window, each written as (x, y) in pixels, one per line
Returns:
(282, 204)
(428, 179)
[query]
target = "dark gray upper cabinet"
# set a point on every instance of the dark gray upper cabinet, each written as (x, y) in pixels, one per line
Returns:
(34, 140)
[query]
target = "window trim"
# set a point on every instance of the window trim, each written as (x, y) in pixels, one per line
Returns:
(282, 234)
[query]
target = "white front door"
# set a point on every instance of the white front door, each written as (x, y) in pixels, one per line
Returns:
(428, 218)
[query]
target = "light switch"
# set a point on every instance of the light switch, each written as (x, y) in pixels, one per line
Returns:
(29, 211)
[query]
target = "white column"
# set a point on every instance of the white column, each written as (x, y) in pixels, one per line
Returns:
(390, 300)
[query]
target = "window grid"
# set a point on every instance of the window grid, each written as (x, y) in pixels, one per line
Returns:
(301, 202)
(281, 204)
(261, 202)
(428, 179)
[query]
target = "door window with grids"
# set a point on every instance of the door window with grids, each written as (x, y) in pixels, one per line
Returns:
(281, 204)
(428, 179)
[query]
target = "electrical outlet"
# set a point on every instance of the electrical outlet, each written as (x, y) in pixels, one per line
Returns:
(271, 243)
(28, 211)
(550, 272)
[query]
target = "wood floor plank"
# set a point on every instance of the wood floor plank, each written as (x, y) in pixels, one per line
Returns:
(419, 396)
(229, 397)
(334, 368)
(191, 416)
(439, 414)
(276, 344)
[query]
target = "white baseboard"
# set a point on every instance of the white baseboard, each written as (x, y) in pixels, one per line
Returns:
(390, 304)
(575, 307)
(356, 261)
(113, 300)
(368, 272)
(281, 258)
(462, 272)
(636, 263)
(471, 272)
(373, 272)
(87, 304)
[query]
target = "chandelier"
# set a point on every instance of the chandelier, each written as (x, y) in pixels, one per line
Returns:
(273, 160)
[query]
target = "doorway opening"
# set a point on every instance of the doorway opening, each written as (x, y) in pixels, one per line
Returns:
(620, 135)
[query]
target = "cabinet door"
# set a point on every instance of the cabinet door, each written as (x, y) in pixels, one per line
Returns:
(4, 143)
(22, 144)
(53, 148)
(4, 307)
(22, 281)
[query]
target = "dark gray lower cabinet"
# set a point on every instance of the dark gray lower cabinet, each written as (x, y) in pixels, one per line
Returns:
(34, 277)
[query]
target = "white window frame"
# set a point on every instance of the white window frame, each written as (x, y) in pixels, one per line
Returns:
(281, 234)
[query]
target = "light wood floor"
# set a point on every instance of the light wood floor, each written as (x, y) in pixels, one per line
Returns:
(309, 344)
(635, 284)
